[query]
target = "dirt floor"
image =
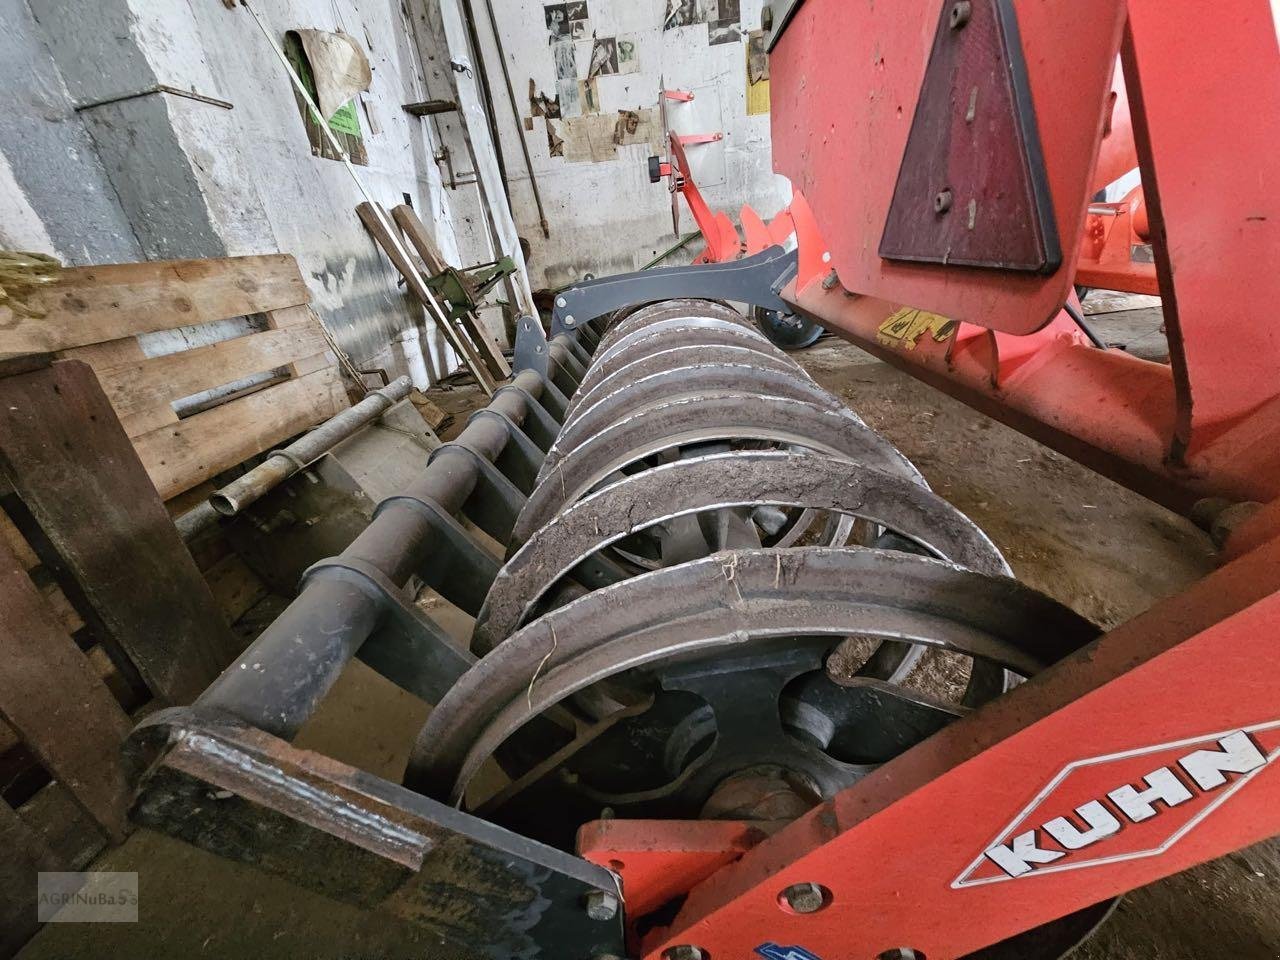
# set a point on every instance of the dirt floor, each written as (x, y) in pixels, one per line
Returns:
(1107, 553)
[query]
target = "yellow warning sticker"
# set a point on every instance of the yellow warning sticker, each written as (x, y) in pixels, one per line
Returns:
(904, 329)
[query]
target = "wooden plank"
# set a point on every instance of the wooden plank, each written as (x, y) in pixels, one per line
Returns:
(68, 460)
(235, 587)
(105, 669)
(428, 108)
(307, 365)
(94, 304)
(68, 831)
(106, 354)
(290, 316)
(141, 386)
(63, 612)
(408, 220)
(56, 703)
(25, 855)
(282, 319)
(189, 499)
(137, 424)
(435, 417)
(113, 353)
(193, 450)
(11, 537)
(418, 287)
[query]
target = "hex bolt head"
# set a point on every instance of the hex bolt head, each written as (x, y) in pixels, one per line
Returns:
(942, 201)
(804, 897)
(561, 301)
(682, 952)
(602, 905)
(961, 11)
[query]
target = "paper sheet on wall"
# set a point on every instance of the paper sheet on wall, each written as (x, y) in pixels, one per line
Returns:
(757, 75)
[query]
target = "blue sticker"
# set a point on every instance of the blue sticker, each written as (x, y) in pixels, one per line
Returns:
(771, 951)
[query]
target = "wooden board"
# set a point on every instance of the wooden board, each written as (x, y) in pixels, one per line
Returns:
(434, 417)
(24, 855)
(91, 305)
(55, 702)
(141, 386)
(55, 817)
(236, 589)
(68, 460)
(418, 287)
(191, 451)
(407, 219)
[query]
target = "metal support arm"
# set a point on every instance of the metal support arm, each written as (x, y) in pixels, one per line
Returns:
(755, 280)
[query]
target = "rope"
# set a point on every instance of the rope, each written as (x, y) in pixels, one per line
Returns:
(21, 272)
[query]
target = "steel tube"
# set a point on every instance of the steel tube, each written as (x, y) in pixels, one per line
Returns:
(284, 463)
(277, 683)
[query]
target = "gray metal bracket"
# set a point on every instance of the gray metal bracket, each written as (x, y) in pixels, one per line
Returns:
(756, 280)
(464, 569)
(531, 347)
(408, 648)
(540, 425)
(221, 785)
(495, 502)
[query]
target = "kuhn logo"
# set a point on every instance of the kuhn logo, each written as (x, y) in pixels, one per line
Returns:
(771, 951)
(1124, 805)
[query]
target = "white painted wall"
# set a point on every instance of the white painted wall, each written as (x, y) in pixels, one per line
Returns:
(264, 189)
(163, 176)
(606, 217)
(187, 179)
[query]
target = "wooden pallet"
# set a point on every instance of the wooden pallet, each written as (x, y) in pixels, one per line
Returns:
(95, 314)
(103, 612)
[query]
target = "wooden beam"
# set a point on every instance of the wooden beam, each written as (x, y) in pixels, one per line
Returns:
(102, 528)
(56, 703)
(410, 224)
(187, 453)
(95, 304)
(135, 388)
(25, 855)
(428, 108)
(418, 287)
(407, 219)
(303, 318)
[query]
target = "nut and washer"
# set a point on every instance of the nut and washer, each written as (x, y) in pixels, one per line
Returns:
(805, 897)
(602, 905)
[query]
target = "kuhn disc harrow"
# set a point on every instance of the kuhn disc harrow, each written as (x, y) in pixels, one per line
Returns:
(717, 589)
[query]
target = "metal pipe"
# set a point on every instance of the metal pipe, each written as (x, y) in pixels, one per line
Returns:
(1080, 322)
(515, 115)
(689, 238)
(477, 54)
(284, 463)
(277, 683)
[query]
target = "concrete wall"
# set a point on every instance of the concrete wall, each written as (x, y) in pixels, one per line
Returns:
(55, 193)
(606, 217)
(162, 176)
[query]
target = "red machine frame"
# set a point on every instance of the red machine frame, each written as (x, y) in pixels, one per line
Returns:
(1153, 749)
